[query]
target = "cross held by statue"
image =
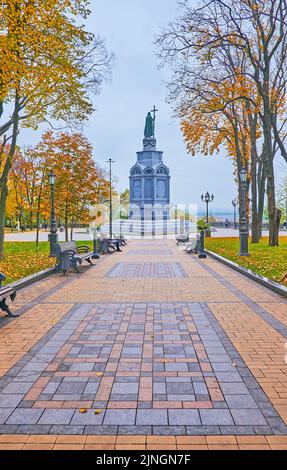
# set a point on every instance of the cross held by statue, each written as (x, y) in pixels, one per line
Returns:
(154, 110)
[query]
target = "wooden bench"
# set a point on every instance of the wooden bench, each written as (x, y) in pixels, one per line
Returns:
(71, 255)
(5, 292)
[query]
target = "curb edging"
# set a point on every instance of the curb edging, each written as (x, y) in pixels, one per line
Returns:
(26, 281)
(264, 281)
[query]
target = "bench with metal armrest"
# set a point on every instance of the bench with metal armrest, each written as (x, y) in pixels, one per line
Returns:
(71, 255)
(193, 245)
(5, 293)
(183, 238)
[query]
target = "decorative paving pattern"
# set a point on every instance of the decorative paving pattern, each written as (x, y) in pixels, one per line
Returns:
(149, 252)
(149, 368)
(147, 270)
(189, 357)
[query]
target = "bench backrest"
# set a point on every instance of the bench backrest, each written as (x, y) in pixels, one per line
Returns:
(64, 246)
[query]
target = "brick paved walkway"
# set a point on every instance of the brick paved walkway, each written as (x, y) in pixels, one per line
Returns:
(158, 348)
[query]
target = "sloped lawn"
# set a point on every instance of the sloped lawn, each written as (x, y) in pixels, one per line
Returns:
(24, 258)
(267, 261)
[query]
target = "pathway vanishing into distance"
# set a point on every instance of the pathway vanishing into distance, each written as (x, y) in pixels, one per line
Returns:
(160, 350)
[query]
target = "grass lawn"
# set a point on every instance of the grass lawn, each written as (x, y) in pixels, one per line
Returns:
(267, 261)
(24, 258)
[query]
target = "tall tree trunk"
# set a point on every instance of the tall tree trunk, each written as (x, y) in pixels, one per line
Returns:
(4, 176)
(273, 213)
(261, 192)
(255, 226)
(38, 209)
(66, 222)
(31, 220)
(252, 121)
(72, 229)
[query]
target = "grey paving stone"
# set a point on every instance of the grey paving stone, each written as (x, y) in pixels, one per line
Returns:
(267, 409)
(216, 417)
(159, 388)
(266, 430)
(176, 379)
(25, 416)
(169, 430)
(152, 417)
(215, 358)
(183, 417)
(128, 379)
(8, 428)
(71, 387)
(10, 401)
(125, 388)
(76, 379)
(193, 367)
(248, 417)
(258, 395)
(240, 401)
(178, 388)
(100, 430)
(200, 388)
(35, 366)
(51, 387)
(66, 396)
(5, 413)
(26, 404)
(26, 377)
(277, 425)
(56, 416)
(237, 430)
(234, 389)
(176, 397)
(176, 367)
(144, 404)
(88, 418)
(219, 404)
(123, 397)
(202, 430)
(223, 367)
(134, 430)
(228, 377)
(121, 417)
(82, 367)
(33, 429)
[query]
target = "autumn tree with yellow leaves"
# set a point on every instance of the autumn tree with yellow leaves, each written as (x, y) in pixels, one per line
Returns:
(50, 66)
(230, 72)
(80, 183)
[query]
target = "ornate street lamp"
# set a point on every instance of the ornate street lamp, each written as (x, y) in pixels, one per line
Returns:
(207, 199)
(243, 225)
(234, 204)
(53, 236)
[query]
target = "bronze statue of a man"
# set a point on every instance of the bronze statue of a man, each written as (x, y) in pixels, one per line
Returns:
(149, 126)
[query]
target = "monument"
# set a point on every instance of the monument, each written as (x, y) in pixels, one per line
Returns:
(149, 179)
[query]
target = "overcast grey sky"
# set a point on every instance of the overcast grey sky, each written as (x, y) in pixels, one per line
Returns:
(116, 128)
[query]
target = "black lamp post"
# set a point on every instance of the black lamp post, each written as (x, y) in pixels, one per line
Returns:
(207, 199)
(110, 161)
(53, 236)
(243, 225)
(234, 204)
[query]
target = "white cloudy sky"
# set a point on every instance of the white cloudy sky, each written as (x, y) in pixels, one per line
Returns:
(116, 128)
